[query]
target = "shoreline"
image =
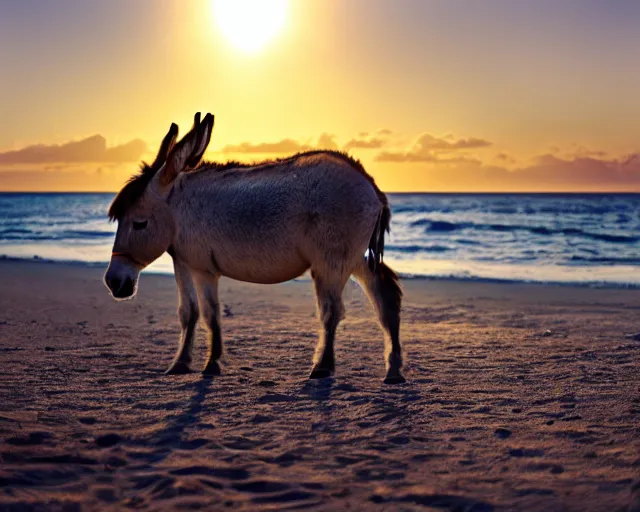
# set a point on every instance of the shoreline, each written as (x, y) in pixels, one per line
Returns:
(405, 277)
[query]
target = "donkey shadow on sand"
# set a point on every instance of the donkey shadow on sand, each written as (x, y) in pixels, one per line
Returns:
(266, 222)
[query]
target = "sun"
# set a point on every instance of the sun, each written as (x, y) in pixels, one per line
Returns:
(249, 24)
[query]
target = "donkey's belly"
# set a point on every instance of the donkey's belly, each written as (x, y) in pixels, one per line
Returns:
(262, 268)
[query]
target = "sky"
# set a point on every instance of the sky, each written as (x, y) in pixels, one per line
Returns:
(431, 95)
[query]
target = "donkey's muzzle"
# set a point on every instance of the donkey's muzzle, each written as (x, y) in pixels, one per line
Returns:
(120, 288)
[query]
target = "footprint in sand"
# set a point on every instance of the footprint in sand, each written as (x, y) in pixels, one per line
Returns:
(107, 440)
(526, 452)
(502, 433)
(267, 384)
(261, 486)
(261, 418)
(31, 439)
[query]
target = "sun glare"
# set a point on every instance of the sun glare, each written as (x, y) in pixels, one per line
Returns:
(249, 24)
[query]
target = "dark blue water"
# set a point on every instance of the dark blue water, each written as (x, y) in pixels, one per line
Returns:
(591, 238)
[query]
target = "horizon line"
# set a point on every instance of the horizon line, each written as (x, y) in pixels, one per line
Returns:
(516, 192)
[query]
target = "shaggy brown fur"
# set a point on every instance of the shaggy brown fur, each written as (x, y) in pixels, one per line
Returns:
(137, 184)
(353, 162)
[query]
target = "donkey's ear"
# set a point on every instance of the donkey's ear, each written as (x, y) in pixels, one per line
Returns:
(166, 146)
(203, 137)
(180, 156)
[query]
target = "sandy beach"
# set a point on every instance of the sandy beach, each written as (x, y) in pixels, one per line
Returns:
(520, 397)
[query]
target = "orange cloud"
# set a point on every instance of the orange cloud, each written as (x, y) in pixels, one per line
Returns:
(547, 173)
(581, 171)
(91, 149)
(429, 149)
(428, 157)
(282, 146)
(325, 141)
(505, 157)
(364, 143)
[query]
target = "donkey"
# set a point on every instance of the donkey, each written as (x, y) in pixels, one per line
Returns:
(265, 223)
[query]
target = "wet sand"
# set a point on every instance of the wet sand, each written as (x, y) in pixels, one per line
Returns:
(520, 397)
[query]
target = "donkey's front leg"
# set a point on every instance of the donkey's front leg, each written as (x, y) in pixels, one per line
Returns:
(188, 314)
(207, 286)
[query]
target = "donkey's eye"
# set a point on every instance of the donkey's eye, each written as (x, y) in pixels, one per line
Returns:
(139, 225)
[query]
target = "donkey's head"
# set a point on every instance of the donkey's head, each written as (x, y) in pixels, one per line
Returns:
(145, 222)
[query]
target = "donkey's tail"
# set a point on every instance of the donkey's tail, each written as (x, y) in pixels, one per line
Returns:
(376, 243)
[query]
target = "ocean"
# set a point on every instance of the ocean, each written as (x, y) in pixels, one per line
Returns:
(587, 239)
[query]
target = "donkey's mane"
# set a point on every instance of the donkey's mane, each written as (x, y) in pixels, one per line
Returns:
(235, 164)
(132, 191)
(137, 184)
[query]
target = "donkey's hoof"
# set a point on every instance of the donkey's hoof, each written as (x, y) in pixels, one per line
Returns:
(178, 368)
(211, 370)
(395, 379)
(321, 373)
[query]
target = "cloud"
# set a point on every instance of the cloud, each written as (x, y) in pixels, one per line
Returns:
(282, 146)
(546, 173)
(325, 141)
(364, 140)
(81, 176)
(506, 158)
(432, 158)
(430, 149)
(581, 151)
(369, 140)
(581, 171)
(91, 149)
(364, 143)
(427, 141)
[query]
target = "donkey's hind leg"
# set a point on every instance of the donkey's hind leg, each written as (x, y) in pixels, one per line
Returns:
(207, 286)
(188, 314)
(329, 287)
(383, 290)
